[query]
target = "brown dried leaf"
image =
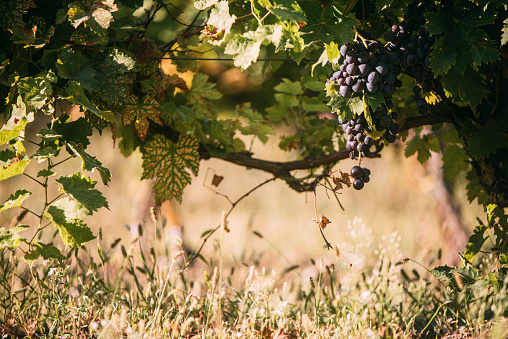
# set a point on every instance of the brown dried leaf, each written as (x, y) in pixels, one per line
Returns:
(280, 334)
(217, 179)
(144, 52)
(342, 178)
(323, 221)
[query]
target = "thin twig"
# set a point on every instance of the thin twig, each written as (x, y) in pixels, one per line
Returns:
(233, 205)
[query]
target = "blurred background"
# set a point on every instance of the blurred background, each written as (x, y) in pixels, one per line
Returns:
(274, 225)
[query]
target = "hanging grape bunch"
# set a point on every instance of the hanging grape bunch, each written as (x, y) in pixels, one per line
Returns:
(371, 67)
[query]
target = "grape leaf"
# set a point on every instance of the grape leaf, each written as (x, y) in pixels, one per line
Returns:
(455, 160)
(289, 87)
(326, 24)
(203, 4)
(74, 232)
(443, 273)
(37, 90)
(89, 163)
(470, 88)
(245, 49)
(82, 189)
(76, 131)
(168, 163)
(476, 241)
(486, 140)
(287, 10)
(77, 96)
(15, 199)
(92, 13)
(15, 168)
(74, 65)
(44, 173)
(201, 93)
(10, 238)
(139, 111)
(463, 42)
(504, 37)
(220, 20)
(422, 145)
(43, 250)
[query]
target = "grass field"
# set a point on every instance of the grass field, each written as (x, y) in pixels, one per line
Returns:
(269, 277)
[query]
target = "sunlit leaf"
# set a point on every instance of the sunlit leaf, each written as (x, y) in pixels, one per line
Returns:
(10, 238)
(139, 111)
(82, 189)
(47, 252)
(169, 163)
(74, 232)
(15, 199)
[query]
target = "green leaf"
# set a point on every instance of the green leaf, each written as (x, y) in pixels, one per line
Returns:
(443, 273)
(73, 232)
(168, 163)
(48, 135)
(74, 65)
(476, 241)
(470, 88)
(374, 100)
(504, 37)
(326, 24)
(15, 200)
(44, 153)
(10, 238)
(245, 49)
(92, 14)
(76, 131)
(203, 4)
(89, 163)
(139, 110)
(289, 87)
(71, 208)
(44, 173)
(42, 250)
(486, 140)
(455, 160)
(422, 145)
(82, 189)
(287, 100)
(463, 43)
(37, 91)
(13, 130)
(16, 168)
(201, 93)
(77, 96)
(313, 104)
(287, 10)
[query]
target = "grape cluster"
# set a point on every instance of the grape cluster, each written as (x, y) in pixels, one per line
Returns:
(412, 43)
(367, 69)
(358, 142)
(361, 176)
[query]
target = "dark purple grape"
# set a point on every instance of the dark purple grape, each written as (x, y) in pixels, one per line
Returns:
(366, 171)
(359, 127)
(385, 121)
(417, 90)
(372, 88)
(367, 140)
(358, 87)
(389, 104)
(356, 172)
(360, 137)
(341, 81)
(395, 28)
(361, 147)
(342, 68)
(363, 69)
(363, 57)
(412, 60)
(381, 68)
(343, 49)
(345, 91)
(388, 90)
(382, 58)
(390, 78)
(421, 103)
(394, 128)
(373, 77)
(358, 184)
(351, 69)
(350, 137)
(351, 57)
(349, 81)
(390, 137)
(394, 58)
(389, 36)
(348, 130)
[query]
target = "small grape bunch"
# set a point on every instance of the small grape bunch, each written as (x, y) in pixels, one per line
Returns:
(361, 176)
(358, 142)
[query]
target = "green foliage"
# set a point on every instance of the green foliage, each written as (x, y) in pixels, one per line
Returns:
(168, 162)
(106, 58)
